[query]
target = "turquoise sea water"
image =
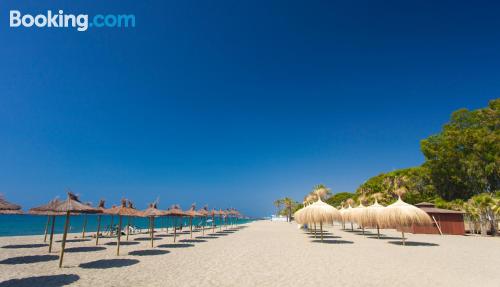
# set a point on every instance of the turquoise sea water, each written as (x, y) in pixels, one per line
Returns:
(11, 225)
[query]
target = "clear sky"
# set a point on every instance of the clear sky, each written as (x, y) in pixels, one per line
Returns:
(234, 103)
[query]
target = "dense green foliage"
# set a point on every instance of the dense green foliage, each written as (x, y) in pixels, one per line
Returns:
(416, 180)
(339, 198)
(464, 159)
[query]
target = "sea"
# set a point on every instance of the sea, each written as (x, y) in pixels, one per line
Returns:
(15, 225)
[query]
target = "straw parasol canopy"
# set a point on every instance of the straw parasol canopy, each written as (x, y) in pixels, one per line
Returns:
(46, 209)
(71, 205)
(151, 212)
(204, 211)
(175, 211)
(122, 210)
(401, 214)
(9, 208)
(348, 215)
(192, 213)
(222, 216)
(213, 213)
(342, 211)
(299, 214)
(371, 215)
(103, 209)
(357, 213)
(204, 214)
(320, 212)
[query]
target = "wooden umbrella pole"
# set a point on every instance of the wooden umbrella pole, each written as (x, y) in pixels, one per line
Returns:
(191, 227)
(46, 228)
(111, 226)
(166, 220)
(314, 229)
(119, 233)
(98, 229)
(63, 242)
(363, 229)
(128, 226)
(84, 225)
(52, 232)
(203, 221)
(321, 229)
(152, 230)
(403, 237)
(378, 232)
(213, 223)
(175, 228)
(352, 227)
(221, 222)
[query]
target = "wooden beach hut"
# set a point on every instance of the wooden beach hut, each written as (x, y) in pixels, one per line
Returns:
(444, 221)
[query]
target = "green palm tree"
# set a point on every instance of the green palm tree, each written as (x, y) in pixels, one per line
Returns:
(288, 203)
(322, 191)
(485, 205)
(278, 203)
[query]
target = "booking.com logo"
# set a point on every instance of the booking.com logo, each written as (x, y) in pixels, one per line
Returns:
(61, 20)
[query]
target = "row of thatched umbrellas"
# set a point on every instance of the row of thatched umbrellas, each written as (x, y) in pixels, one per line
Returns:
(397, 215)
(73, 206)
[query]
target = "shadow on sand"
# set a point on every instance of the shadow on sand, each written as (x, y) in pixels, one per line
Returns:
(325, 236)
(148, 252)
(74, 240)
(46, 281)
(146, 239)
(85, 249)
(175, 245)
(206, 237)
(113, 243)
(218, 234)
(329, 241)
(108, 263)
(413, 243)
(15, 246)
(29, 259)
(382, 237)
(192, 240)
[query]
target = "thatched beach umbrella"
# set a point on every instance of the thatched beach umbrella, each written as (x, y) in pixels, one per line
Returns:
(71, 205)
(84, 226)
(321, 212)
(371, 216)
(139, 213)
(204, 214)
(357, 213)
(175, 211)
(101, 207)
(120, 211)
(342, 211)
(46, 210)
(9, 208)
(348, 216)
(213, 213)
(222, 215)
(151, 212)
(401, 214)
(299, 214)
(192, 213)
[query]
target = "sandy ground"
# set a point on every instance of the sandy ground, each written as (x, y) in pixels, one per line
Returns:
(259, 254)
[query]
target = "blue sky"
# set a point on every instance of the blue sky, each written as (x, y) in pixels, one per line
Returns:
(234, 103)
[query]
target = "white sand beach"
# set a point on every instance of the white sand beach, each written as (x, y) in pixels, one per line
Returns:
(261, 253)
